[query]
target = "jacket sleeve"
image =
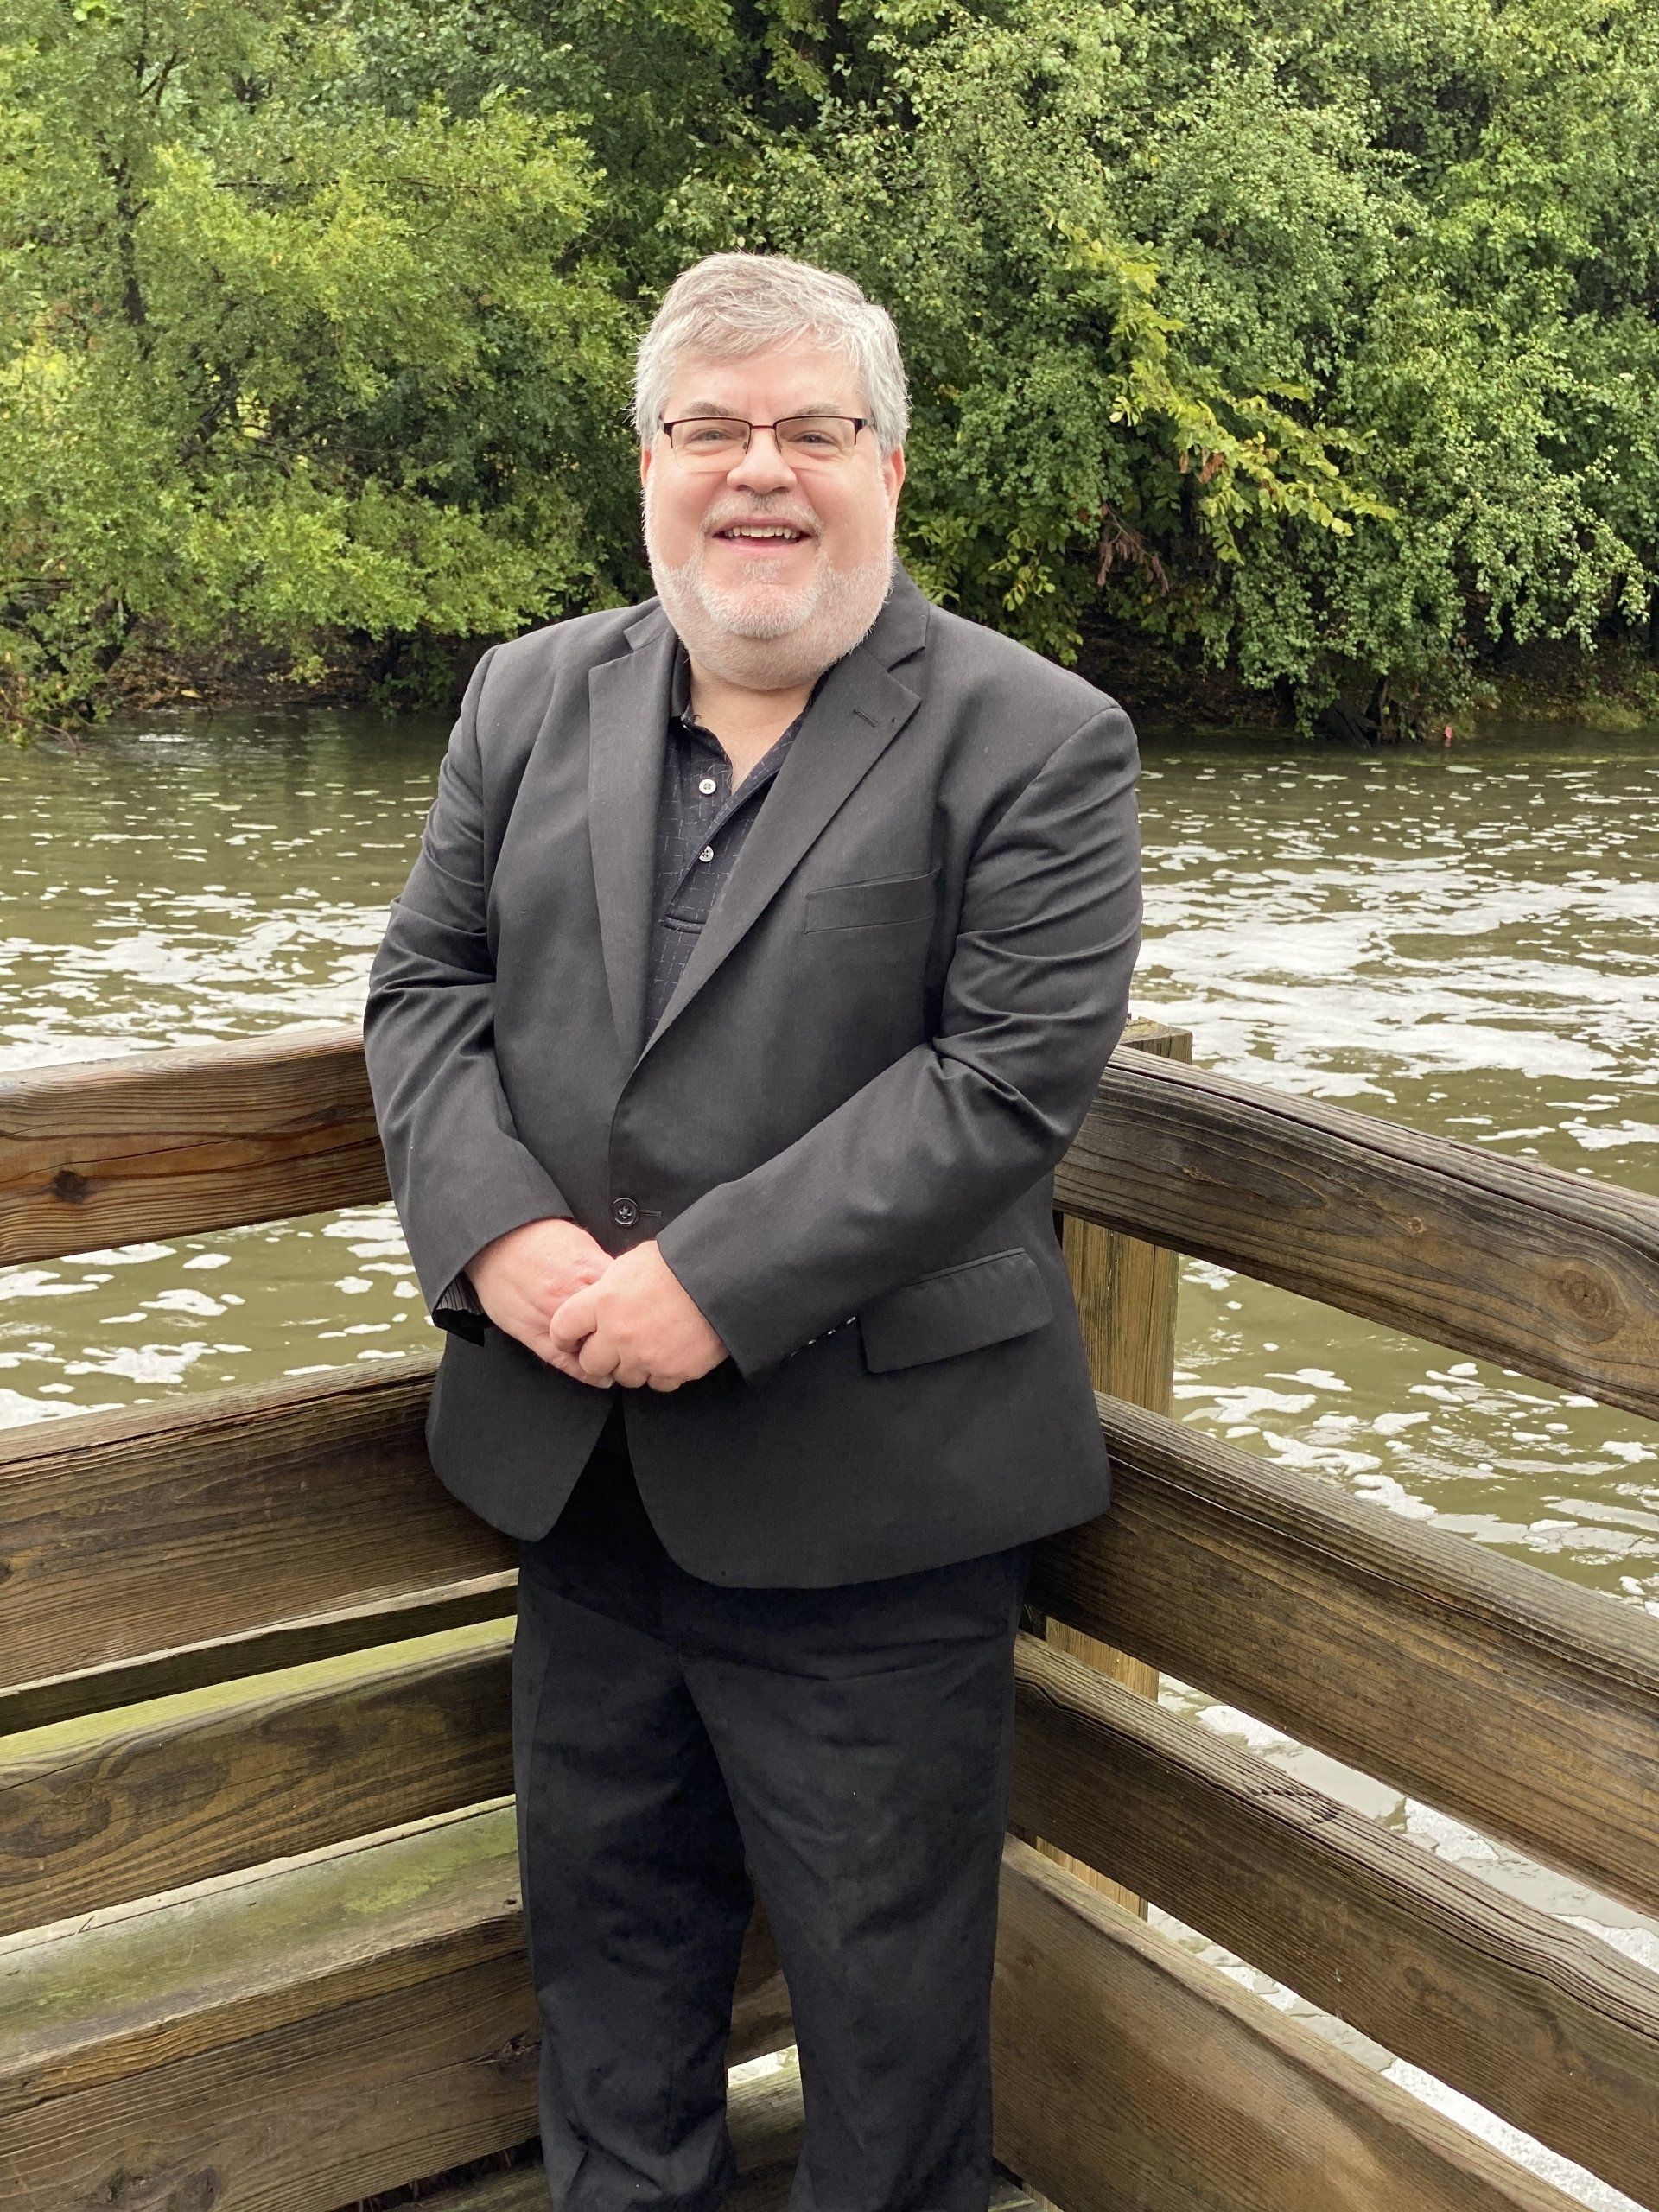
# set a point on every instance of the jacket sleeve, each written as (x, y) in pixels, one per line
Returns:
(926, 1155)
(459, 1174)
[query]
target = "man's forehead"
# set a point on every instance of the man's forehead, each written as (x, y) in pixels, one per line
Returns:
(809, 380)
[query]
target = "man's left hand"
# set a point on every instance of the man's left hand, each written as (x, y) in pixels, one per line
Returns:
(637, 1324)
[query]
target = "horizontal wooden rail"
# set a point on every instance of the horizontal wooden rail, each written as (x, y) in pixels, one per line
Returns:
(227, 1513)
(1551, 1274)
(293, 2041)
(1540, 2023)
(1133, 2078)
(262, 1651)
(123, 1805)
(196, 1137)
(1497, 1692)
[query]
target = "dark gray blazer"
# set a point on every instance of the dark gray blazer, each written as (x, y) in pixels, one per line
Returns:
(842, 1130)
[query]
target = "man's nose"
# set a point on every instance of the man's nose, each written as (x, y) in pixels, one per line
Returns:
(763, 467)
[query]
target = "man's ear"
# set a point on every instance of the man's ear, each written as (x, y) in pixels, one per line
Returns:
(644, 465)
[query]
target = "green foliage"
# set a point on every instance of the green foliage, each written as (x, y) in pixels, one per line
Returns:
(1315, 340)
(274, 363)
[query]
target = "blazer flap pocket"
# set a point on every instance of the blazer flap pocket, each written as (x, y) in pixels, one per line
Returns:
(861, 905)
(960, 1308)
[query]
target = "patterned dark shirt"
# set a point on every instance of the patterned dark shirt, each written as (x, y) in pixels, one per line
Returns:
(702, 825)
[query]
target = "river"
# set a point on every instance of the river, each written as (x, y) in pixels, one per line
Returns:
(1461, 938)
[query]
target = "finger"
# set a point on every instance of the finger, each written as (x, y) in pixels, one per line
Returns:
(577, 1317)
(578, 1373)
(597, 1357)
(631, 1375)
(565, 1362)
(663, 1382)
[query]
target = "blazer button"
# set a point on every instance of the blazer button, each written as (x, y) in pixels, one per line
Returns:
(624, 1212)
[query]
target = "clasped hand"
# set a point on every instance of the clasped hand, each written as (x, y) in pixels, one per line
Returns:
(600, 1320)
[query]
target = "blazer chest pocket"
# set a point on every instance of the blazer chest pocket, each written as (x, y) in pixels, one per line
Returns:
(959, 1309)
(880, 901)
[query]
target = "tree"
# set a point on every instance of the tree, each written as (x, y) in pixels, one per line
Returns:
(282, 365)
(1314, 339)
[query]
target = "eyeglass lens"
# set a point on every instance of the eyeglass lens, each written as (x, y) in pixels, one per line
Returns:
(714, 438)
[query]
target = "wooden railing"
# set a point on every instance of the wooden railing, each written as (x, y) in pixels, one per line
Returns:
(257, 1853)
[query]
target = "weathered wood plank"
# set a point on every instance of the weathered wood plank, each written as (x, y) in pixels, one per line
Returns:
(116, 1806)
(1497, 1692)
(154, 1983)
(1538, 2023)
(291, 2042)
(317, 1636)
(197, 1137)
(1554, 1273)
(1125, 1292)
(227, 1513)
(1126, 1288)
(1132, 2078)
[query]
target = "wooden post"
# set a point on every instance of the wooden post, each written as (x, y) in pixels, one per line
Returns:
(1126, 1293)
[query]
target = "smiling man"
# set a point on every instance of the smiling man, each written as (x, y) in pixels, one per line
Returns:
(765, 947)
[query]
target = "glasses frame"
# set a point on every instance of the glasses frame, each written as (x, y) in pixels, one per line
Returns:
(859, 423)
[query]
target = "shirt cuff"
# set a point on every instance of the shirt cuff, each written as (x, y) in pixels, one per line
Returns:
(457, 1309)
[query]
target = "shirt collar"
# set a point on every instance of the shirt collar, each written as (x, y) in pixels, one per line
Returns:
(679, 695)
(679, 699)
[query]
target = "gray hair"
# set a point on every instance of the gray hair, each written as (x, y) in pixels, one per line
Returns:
(734, 305)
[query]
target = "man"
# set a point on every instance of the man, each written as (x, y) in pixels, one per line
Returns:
(765, 947)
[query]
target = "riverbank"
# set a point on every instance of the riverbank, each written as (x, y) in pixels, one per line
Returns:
(1616, 688)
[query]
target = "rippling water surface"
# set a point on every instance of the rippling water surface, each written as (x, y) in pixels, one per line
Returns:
(1462, 940)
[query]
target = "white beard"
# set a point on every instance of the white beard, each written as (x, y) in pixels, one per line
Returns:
(761, 637)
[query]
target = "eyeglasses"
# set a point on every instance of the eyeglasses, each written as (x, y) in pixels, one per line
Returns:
(719, 441)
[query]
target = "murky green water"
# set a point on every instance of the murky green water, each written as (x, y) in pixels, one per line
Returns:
(1462, 940)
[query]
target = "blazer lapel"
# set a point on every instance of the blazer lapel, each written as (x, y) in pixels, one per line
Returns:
(858, 711)
(627, 705)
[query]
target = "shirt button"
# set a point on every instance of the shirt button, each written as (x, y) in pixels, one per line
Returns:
(707, 854)
(706, 785)
(624, 1212)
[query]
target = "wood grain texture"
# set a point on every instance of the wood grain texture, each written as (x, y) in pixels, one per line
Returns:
(195, 1137)
(1126, 1288)
(1125, 1292)
(227, 1513)
(116, 1806)
(1553, 1273)
(1499, 1693)
(1132, 2078)
(291, 2042)
(169, 1978)
(1547, 2027)
(294, 1643)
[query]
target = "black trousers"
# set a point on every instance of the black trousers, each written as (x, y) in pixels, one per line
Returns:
(845, 1749)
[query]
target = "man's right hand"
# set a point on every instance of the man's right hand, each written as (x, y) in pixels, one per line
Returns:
(523, 1278)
